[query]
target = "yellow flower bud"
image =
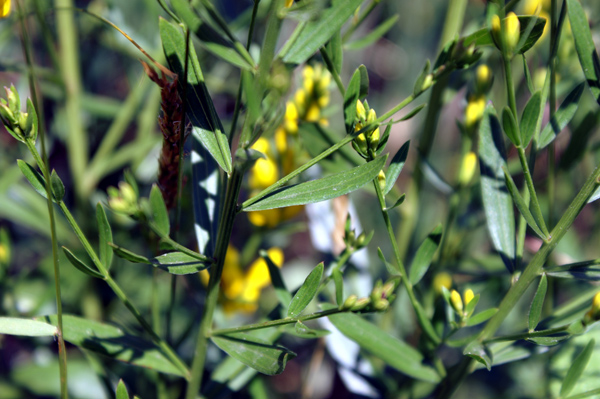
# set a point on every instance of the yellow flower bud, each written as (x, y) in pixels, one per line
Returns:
(381, 304)
(312, 115)
(468, 296)
(596, 304)
(456, 301)
(288, 3)
(323, 100)
(474, 111)
(440, 280)
(291, 113)
(361, 142)
(300, 99)
(381, 180)
(497, 30)
(467, 169)
(513, 33)
(349, 302)
(3, 254)
(361, 304)
(483, 79)
(4, 8)
(263, 173)
(127, 192)
(372, 116)
(374, 139)
(360, 111)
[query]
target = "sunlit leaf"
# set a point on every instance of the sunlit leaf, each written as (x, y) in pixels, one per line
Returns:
(159, 210)
(562, 117)
(424, 255)
(577, 368)
(307, 291)
(535, 311)
(80, 265)
(395, 168)
(26, 327)
(105, 233)
(480, 353)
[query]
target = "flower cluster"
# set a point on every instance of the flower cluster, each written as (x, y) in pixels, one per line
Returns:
(378, 301)
(281, 153)
(124, 199)
(21, 125)
(240, 289)
(365, 143)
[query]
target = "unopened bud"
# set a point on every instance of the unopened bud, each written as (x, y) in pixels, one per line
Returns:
(374, 139)
(388, 289)
(427, 82)
(467, 168)
(483, 79)
(456, 301)
(381, 305)
(440, 281)
(361, 304)
(127, 192)
(350, 302)
(381, 180)
(468, 296)
(360, 111)
(377, 291)
(513, 33)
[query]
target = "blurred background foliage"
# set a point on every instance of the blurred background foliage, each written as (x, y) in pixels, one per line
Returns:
(117, 100)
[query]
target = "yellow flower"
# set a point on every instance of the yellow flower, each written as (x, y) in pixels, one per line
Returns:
(4, 8)
(288, 3)
(290, 119)
(474, 111)
(456, 301)
(264, 172)
(513, 33)
(483, 79)
(241, 291)
(440, 280)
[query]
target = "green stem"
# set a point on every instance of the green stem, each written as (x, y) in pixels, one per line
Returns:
(222, 242)
(552, 95)
(167, 350)
(333, 71)
(535, 205)
(421, 316)
(274, 323)
(517, 337)
(325, 154)
(44, 166)
(168, 10)
(77, 143)
(238, 98)
(176, 245)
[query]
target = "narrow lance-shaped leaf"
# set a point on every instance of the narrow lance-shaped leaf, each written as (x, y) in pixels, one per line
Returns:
(283, 294)
(179, 263)
(510, 126)
(374, 35)
(307, 291)
(521, 205)
(321, 189)
(303, 331)
(122, 391)
(159, 210)
(530, 118)
(562, 117)
(364, 82)
(481, 317)
(577, 368)
(262, 356)
(207, 126)
(395, 168)
(350, 99)
(496, 200)
(113, 342)
(26, 327)
(424, 255)
(58, 188)
(105, 233)
(479, 352)
(392, 269)
(335, 51)
(584, 44)
(527, 74)
(316, 33)
(80, 265)
(535, 311)
(34, 177)
(393, 351)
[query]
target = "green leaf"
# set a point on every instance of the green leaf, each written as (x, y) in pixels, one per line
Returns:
(418, 86)
(32, 120)
(393, 351)
(105, 233)
(350, 99)
(480, 353)
(338, 280)
(122, 391)
(586, 50)
(580, 273)
(395, 168)
(392, 269)
(58, 188)
(364, 82)
(412, 113)
(207, 127)
(374, 35)
(521, 205)
(160, 214)
(321, 189)
(34, 177)
(398, 202)
(210, 38)
(481, 317)
(424, 255)
(535, 311)
(303, 331)
(548, 341)
(496, 200)
(316, 33)
(335, 51)
(26, 327)
(307, 292)
(530, 118)
(577, 368)
(562, 117)
(260, 355)
(82, 267)
(113, 342)
(178, 263)
(470, 307)
(283, 294)
(129, 255)
(482, 37)
(509, 123)
(527, 74)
